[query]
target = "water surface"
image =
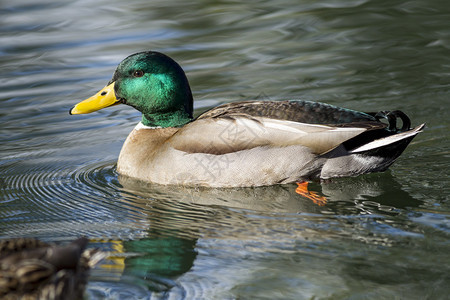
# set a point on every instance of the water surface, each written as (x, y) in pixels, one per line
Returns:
(379, 236)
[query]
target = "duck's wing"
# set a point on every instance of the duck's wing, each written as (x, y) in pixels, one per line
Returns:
(295, 110)
(245, 125)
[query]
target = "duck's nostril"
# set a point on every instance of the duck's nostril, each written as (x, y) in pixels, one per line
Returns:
(103, 93)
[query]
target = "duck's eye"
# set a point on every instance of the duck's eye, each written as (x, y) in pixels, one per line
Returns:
(138, 73)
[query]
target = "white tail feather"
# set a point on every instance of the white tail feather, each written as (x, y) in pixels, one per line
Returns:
(388, 140)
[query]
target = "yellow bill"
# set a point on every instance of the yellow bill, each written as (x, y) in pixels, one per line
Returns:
(104, 98)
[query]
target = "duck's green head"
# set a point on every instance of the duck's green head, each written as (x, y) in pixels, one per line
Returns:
(151, 82)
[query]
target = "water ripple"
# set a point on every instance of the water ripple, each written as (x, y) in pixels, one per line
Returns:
(65, 197)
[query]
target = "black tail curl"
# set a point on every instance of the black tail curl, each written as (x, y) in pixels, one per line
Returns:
(392, 116)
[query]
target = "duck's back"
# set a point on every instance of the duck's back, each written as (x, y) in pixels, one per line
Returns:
(295, 110)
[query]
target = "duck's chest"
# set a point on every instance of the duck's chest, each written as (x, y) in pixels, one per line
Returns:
(140, 150)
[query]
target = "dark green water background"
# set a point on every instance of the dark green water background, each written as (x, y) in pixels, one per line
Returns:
(381, 236)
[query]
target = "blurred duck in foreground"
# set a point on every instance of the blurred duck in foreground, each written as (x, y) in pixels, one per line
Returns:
(251, 143)
(32, 269)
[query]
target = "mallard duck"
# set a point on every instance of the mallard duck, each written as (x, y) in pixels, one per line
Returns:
(32, 269)
(238, 144)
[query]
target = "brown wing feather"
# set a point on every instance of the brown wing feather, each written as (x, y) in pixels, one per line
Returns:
(297, 110)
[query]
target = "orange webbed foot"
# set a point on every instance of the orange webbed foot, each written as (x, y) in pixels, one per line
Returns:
(302, 189)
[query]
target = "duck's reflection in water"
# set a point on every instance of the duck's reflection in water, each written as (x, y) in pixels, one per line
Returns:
(175, 218)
